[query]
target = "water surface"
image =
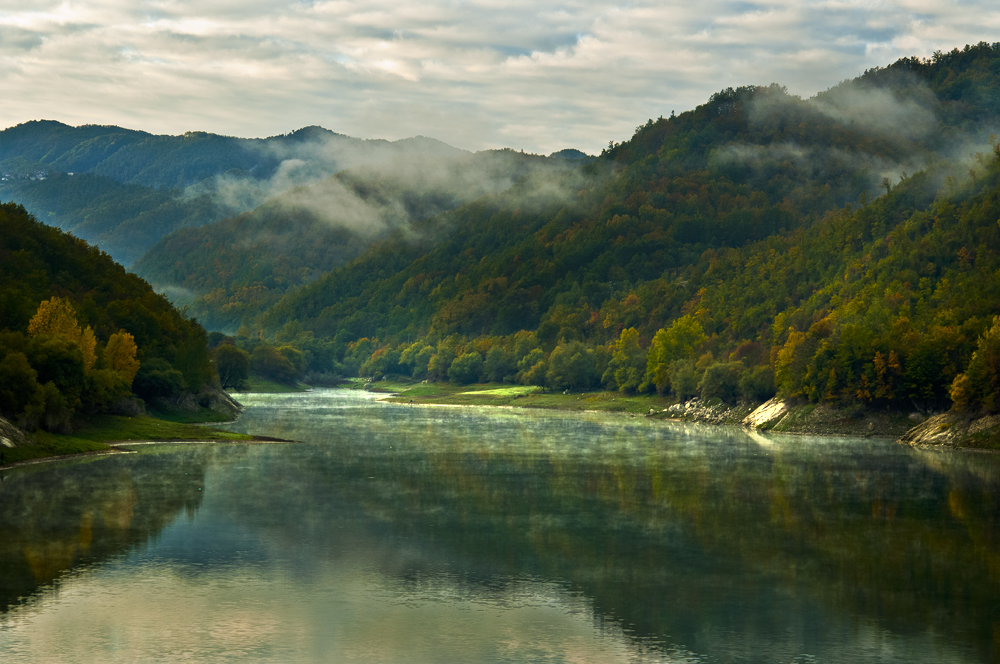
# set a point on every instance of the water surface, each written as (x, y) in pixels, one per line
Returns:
(404, 534)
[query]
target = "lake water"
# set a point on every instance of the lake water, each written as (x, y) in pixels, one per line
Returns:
(404, 534)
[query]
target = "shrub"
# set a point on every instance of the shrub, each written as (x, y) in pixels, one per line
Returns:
(683, 379)
(466, 368)
(156, 379)
(721, 380)
(270, 362)
(757, 383)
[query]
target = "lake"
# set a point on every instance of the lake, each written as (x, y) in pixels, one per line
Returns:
(393, 533)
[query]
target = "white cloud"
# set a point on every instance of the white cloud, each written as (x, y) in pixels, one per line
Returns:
(534, 75)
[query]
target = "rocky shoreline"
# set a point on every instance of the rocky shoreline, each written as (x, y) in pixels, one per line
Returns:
(954, 430)
(781, 416)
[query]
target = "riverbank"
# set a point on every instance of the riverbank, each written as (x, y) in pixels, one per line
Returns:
(955, 430)
(775, 415)
(105, 435)
(519, 396)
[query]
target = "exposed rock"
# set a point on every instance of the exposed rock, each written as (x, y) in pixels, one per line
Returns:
(714, 411)
(215, 399)
(954, 430)
(11, 436)
(771, 411)
(789, 417)
(222, 402)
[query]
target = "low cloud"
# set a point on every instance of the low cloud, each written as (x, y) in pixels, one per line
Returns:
(388, 186)
(880, 111)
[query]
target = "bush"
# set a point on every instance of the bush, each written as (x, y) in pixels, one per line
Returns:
(18, 384)
(270, 362)
(59, 361)
(105, 388)
(156, 379)
(757, 383)
(466, 368)
(571, 366)
(683, 379)
(721, 380)
(497, 365)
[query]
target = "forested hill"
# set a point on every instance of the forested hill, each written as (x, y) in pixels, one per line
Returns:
(79, 335)
(170, 162)
(124, 189)
(228, 272)
(843, 246)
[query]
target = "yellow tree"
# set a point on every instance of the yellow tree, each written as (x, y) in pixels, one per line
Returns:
(677, 342)
(119, 355)
(56, 317)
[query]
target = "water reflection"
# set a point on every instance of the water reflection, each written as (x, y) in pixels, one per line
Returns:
(417, 534)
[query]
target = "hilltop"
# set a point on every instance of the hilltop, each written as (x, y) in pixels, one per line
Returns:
(837, 249)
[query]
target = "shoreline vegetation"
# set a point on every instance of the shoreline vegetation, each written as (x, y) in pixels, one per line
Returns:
(115, 434)
(777, 415)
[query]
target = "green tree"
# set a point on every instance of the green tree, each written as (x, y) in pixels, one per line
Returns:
(18, 386)
(677, 342)
(757, 383)
(271, 363)
(497, 366)
(466, 368)
(628, 363)
(232, 365)
(721, 380)
(156, 379)
(571, 366)
(684, 379)
(978, 389)
(440, 362)
(59, 361)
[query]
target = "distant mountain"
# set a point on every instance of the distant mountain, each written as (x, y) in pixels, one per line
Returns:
(124, 189)
(228, 272)
(841, 248)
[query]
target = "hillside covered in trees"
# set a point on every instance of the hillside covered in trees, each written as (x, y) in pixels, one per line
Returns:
(841, 248)
(229, 272)
(124, 189)
(80, 336)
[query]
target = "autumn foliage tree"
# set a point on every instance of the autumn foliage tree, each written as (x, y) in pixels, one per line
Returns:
(119, 355)
(56, 317)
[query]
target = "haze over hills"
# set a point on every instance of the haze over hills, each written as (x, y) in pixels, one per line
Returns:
(124, 189)
(227, 273)
(839, 248)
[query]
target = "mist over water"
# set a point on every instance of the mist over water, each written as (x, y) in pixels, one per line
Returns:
(401, 534)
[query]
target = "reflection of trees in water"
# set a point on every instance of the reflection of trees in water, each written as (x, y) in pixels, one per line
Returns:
(57, 517)
(669, 529)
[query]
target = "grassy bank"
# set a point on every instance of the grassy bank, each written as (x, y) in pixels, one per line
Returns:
(105, 429)
(802, 418)
(258, 384)
(520, 396)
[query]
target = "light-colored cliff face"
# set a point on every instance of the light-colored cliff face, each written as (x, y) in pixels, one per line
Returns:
(769, 411)
(11, 436)
(955, 430)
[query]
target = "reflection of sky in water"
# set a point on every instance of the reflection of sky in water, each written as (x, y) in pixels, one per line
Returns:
(399, 534)
(132, 612)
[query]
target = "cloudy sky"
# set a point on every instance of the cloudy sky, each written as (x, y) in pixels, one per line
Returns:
(532, 75)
